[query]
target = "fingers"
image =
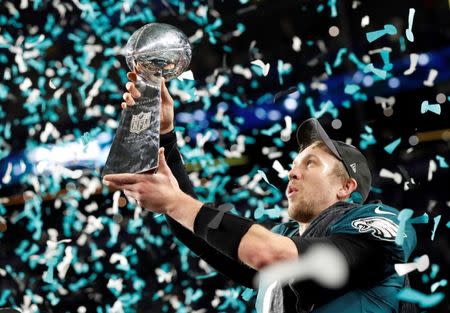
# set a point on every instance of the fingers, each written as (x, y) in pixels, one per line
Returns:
(129, 101)
(132, 76)
(133, 197)
(130, 194)
(112, 185)
(121, 179)
(132, 93)
(131, 87)
(166, 98)
(162, 167)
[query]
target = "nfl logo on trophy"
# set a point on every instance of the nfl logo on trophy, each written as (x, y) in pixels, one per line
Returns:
(140, 122)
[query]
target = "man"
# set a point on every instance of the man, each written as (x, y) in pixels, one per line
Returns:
(328, 183)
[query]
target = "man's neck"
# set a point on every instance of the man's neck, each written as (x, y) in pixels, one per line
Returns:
(302, 227)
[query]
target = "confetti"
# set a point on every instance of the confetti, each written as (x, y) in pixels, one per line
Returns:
(388, 29)
(264, 67)
(296, 44)
(437, 219)
(425, 107)
(263, 175)
(442, 162)
(436, 285)
(369, 68)
(365, 21)
(392, 146)
(409, 33)
(431, 78)
(431, 169)
(420, 264)
(412, 68)
(54, 99)
(423, 300)
(402, 217)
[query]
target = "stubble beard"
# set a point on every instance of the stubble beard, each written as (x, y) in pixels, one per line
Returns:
(303, 210)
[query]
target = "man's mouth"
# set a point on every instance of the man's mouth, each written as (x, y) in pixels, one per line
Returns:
(291, 191)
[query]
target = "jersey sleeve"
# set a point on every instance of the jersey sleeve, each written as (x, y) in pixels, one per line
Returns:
(233, 269)
(378, 223)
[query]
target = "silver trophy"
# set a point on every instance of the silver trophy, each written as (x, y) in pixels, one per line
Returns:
(153, 51)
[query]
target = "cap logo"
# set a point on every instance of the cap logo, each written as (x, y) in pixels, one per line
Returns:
(353, 166)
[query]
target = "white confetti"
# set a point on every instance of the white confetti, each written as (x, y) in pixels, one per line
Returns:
(7, 177)
(63, 266)
(265, 67)
(365, 21)
(186, 75)
(282, 173)
(421, 264)
(414, 57)
(296, 44)
(238, 69)
(431, 169)
(397, 177)
(431, 77)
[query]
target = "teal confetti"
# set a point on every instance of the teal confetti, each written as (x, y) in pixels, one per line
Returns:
(369, 68)
(425, 107)
(437, 219)
(205, 276)
(442, 162)
(434, 271)
(272, 130)
(352, 57)
(385, 56)
(423, 219)
(402, 217)
(346, 104)
(328, 69)
(424, 301)
(392, 146)
(265, 178)
(248, 293)
(402, 43)
(5, 296)
(283, 69)
(351, 89)
(367, 138)
(332, 5)
(388, 29)
(339, 56)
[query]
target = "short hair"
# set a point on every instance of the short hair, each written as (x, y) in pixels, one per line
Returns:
(339, 169)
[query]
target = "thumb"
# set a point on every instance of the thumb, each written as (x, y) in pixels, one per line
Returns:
(163, 167)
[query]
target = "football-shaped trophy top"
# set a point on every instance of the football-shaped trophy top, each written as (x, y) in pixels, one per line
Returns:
(158, 49)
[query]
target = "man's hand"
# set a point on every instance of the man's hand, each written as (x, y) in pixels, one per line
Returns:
(156, 192)
(166, 110)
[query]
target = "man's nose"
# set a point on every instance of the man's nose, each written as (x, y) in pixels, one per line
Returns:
(292, 175)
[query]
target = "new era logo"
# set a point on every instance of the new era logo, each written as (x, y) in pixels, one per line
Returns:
(353, 166)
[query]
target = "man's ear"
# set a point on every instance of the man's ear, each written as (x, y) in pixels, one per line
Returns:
(347, 188)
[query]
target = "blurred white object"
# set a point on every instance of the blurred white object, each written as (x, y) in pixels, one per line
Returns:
(421, 264)
(323, 263)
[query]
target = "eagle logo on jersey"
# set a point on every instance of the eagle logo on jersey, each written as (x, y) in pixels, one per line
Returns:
(380, 227)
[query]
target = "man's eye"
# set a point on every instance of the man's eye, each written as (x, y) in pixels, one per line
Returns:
(309, 162)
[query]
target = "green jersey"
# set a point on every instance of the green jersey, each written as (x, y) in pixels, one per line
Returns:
(378, 223)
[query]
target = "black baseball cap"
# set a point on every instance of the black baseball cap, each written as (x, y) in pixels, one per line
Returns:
(354, 161)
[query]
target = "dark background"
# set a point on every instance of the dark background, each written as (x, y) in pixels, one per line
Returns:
(272, 25)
